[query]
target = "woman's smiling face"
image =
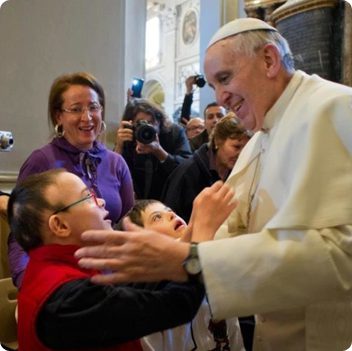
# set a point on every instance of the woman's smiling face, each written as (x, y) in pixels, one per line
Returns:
(81, 130)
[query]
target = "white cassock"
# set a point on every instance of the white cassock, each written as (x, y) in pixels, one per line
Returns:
(193, 336)
(294, 183)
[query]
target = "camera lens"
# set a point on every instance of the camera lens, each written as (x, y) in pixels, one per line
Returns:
(145, 133)
(6, 141)
(200, 81)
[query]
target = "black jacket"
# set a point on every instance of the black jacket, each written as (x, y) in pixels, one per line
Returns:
(148, 173)
(187, 181)
(111, 314)
(200, 139)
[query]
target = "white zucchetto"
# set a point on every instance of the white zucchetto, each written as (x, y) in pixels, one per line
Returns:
(237, 26)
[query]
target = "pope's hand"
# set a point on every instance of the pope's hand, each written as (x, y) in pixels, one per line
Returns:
(136, 255)
(210, 209)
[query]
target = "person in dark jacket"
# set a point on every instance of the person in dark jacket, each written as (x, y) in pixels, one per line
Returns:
(212, 115)
(211, 162)
(186, 109)
(150, 161)
(194, 127)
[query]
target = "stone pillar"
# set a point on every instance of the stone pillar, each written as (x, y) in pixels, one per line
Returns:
(346, 76)
(229, 11)
(314, 30)
(261, 9)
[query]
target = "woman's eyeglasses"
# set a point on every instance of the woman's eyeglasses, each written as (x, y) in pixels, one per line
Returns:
(91, 195)
(79, 110)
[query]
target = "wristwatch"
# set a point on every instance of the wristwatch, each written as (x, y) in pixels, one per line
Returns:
(192, 264)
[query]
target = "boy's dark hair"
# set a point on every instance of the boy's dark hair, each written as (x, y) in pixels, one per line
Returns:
(26, 206)
(135, 213)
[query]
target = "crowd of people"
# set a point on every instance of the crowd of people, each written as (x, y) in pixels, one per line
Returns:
(184, 229)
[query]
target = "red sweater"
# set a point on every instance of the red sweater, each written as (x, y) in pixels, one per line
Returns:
(50, 266)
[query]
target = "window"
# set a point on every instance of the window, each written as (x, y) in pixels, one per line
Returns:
(152, 49)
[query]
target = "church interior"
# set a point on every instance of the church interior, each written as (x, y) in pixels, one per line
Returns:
(160, 41)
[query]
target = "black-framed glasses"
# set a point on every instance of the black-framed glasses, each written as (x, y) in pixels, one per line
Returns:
(79, 110)
(91, 195)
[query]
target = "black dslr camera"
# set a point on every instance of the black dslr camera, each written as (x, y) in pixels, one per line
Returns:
(199, 80)
(144, 132)
(6, 141)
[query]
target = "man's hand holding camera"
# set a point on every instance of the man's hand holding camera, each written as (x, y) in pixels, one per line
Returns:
(142, 131)
(124, 133)
(153, 148)
(197, 80)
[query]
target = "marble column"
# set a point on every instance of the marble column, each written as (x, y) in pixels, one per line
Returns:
(314, 30)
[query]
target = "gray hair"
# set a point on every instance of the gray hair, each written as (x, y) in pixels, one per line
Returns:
(250, 42)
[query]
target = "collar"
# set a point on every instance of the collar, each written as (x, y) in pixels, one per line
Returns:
(55, 252)
(88, 160)
(278, 109)
(211, 158)
(96, 150)
(212, 163)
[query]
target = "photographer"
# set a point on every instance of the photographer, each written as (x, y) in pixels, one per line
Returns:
(150, 161)
(212, 112)
(197, 80)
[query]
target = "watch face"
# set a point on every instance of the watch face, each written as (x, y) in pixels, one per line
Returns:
(192, 266)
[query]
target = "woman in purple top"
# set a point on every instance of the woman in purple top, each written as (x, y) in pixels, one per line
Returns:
(76, 111)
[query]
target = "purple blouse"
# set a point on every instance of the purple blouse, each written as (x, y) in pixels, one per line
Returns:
(100, 169)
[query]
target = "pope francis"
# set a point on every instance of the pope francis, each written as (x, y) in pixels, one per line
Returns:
(285, 252)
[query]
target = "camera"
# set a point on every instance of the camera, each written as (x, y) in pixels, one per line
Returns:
(144, 132)
(199, 80)
(137, 85)
(6, 141)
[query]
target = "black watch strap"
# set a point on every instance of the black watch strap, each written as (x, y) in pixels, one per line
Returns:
(192, 264)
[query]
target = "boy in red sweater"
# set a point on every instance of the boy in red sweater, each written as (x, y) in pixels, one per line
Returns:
(58, 305)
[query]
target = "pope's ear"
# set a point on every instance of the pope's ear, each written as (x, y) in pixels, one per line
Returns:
(58, 226)
(272, 60)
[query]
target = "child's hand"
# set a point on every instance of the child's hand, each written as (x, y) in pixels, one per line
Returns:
(187, 235)
(210, 209)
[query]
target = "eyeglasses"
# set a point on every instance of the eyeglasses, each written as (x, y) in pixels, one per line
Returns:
(91, 195)
(79, 110)
(190, 129)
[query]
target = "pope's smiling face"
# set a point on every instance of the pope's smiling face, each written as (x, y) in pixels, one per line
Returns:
(241, 82)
